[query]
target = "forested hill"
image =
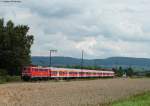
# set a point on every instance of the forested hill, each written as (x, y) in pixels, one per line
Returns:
(108, 62)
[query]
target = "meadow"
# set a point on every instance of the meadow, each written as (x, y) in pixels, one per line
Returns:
(141, 99)
(72, 93)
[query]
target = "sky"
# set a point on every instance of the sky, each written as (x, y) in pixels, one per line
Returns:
(101, 28)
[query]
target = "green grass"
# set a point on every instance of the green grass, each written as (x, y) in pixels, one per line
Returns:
(142, 99)
(137, 100)
(5, 79)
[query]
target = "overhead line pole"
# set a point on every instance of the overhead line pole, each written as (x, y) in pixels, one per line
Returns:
(82, 60)
(95, 65)
(81, 63)
(50, 57)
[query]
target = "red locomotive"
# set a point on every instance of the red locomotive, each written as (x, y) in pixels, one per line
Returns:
(34, 72)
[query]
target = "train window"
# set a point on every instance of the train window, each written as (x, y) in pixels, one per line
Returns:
(83, 72)
(44, 70)
(36, 69)
(54, 72)
(64, 72)
(60, 73)
(89, 73)
(74, 72)
(71, 72)
(80, 72)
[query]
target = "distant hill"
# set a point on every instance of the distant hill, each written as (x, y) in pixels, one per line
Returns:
(139, 63)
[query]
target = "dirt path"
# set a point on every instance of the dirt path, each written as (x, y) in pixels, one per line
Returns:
(70, 93)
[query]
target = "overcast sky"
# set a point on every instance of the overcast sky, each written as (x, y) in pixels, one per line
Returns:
(102, 28)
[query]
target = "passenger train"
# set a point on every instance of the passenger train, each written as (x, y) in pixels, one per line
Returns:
(36, 72)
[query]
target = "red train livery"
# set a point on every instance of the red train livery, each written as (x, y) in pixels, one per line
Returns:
(31, 72)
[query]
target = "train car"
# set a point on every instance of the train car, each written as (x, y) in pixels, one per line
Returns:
(33, 72)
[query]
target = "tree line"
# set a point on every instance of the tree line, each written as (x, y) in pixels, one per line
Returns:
(124, 71)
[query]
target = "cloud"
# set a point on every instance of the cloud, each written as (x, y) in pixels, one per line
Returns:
(102, 28)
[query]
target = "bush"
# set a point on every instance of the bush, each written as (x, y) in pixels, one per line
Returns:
(148, 75)
(2, 80)
(3, 74)
(4, 77)
(12, 78)
(129, 72)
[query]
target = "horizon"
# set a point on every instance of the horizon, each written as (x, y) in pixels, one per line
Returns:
(94, 58)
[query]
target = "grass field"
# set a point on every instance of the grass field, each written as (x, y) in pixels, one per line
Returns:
(142, 99)
(72, 93)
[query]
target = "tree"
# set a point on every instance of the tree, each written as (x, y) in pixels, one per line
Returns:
(148, 74)
(129, 72)
(15, 46)
(119, 72)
